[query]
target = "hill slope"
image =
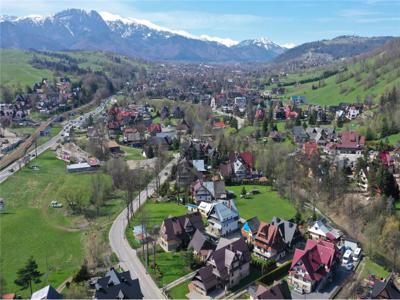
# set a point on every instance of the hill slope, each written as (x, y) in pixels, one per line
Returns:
(326, 51)
(369, 76)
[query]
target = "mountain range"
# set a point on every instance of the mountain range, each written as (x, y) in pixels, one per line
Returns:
(76, 29)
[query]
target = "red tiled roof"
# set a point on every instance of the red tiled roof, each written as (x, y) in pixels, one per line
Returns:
(310, 148)
(317, 258)
(247, 157)
(155, 127)
(219, 124)
(351, 140)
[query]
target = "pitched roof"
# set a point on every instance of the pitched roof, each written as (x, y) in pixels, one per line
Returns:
(118, 286)
(351, 140)
(177, 228)
(205, 278)
(224, 257)
(277, 291)
(200, 242)
(48, 292)
(385, 288)
(251, 225)
(269, 236)
(287, 229)
(317, 258)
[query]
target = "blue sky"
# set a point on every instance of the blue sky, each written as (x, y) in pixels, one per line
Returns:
(283, 21)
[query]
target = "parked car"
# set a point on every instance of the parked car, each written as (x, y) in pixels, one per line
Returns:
(347, 256)
(357, 254)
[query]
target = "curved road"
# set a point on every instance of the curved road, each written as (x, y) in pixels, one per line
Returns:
(126, 255)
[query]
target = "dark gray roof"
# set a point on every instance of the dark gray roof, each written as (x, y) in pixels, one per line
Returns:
(253, 224)
(288, 230)
(118, 286)
(205, 278)
(388, 286)
(200, 241)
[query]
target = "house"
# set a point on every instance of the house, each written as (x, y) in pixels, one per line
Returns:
(176, 232)
(268, 242)
(183, 128)
(279, 290)
(48, 292)
(321, 136)
(223, 219)
(351, 143)
(198, 164)
(250, 228)
(230, 261)
(385, 289)
(204, 281)
(186, 174)
(201, 245)
(298, 99)
(242, 164)
(208, 190)
(288, 230)
(352, 113)
(313, 267)
(205, 207)
(321, 230)
(132, 136)
(310, 148)
(219, 125)
(154, 128)
(113, 147)
(115, 285)
(299, 134)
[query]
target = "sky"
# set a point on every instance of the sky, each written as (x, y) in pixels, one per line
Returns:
(286, 22)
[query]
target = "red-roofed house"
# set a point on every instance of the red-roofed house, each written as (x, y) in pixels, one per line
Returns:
(310, 148)
(351, 143)
(313, 267)
(154, 128)
(268, 242)
(242, 163)
(386, 159)
(219, 125)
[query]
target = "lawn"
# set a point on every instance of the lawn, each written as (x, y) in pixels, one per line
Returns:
(17, 71)
(31, 228)
(172, 265)
(180, 291)
(264, 205)
(155, 214)
(393, 139)
(132, 153)
(370, 267)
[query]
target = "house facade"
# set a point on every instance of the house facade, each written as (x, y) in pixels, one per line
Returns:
(313, 267)
(223, 219)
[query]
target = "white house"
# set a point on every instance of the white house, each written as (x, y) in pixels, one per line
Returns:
(321, 230)
(223, 219)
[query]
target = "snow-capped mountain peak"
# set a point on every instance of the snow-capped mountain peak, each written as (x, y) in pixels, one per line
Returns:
(81, 29)
(113, 18)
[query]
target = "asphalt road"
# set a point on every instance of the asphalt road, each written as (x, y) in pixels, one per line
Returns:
(14, 167)
(126, 255)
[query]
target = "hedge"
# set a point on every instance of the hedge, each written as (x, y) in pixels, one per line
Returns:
(275, 274)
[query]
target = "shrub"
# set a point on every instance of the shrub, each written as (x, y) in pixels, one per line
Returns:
(275, 274)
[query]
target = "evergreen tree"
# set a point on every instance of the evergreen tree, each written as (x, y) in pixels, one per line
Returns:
(28, 274)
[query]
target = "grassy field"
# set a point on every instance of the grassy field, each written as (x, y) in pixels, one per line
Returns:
(16, 71)
(393, 139)
(373, 268)
(264, 205)
(132, 153)
(31, 228)
(348, 89)
(171, 266)
(180, 291)
(155, 214)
